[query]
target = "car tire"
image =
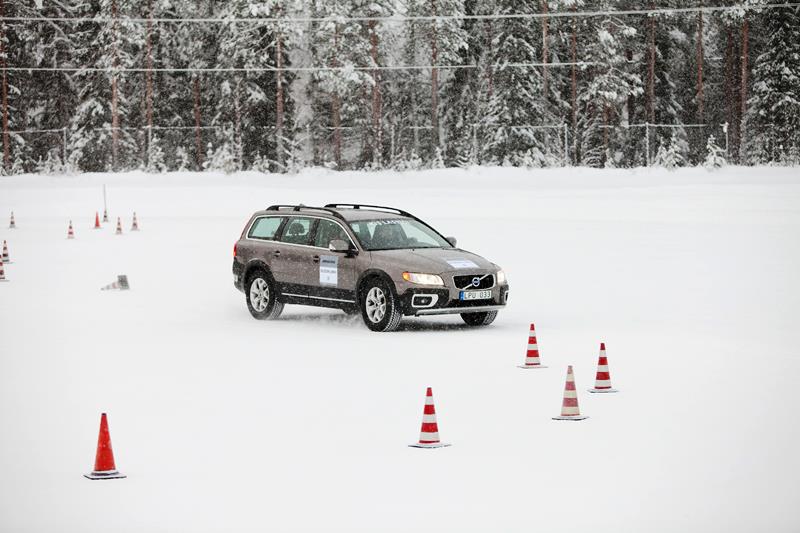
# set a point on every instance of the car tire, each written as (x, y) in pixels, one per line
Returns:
(379, 306)
(479, 319)
(261, 296)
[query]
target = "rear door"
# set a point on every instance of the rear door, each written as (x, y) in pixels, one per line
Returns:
(333, 277)
(294, 264)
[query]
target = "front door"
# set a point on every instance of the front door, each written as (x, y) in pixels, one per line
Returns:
(334, 274)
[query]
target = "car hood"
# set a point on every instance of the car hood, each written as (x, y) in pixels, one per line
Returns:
(436, 260)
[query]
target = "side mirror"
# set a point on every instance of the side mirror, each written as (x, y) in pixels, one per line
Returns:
(339, 246)
(452, 240)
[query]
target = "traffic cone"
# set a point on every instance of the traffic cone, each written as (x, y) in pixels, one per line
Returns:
(104, 467)
(429, 434)
(569, 408)
(532, 357)
(105, 215)
(2, 272)
(119, 227)
(121, 283)
(97, 221)
(70, 231)
(6, 257)
(135, 225)
(12, 224)
(602, 382)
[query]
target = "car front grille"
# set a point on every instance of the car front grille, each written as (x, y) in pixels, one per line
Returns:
(465, 282)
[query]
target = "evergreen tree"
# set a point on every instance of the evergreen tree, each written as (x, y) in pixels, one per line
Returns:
(773, 121)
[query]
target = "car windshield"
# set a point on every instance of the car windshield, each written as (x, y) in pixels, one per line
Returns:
(396, 234)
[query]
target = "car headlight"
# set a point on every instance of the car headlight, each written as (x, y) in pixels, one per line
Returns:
(501, 277)
(423, 279)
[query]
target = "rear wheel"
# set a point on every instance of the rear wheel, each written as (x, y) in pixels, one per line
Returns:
(479, 319)
(379, 307)
(262, 298)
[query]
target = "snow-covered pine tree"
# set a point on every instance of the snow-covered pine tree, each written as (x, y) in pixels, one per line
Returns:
(420, 120)
(773, 119)
(465, 113)
(99, 134)
(612, 82)
(248, 99)
(715, 156)
(518, 112)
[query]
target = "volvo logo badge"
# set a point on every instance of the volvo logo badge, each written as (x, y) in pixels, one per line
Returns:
(476, 281)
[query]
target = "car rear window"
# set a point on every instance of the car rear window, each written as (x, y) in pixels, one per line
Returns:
(265, 228)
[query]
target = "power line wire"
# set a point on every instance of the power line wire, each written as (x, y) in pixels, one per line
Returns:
(498, 66)
(420, 18)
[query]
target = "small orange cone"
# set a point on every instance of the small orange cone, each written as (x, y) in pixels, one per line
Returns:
(12, 224)
(532, 356)
(2, 272)
(569, 407)
(97, 221)
(602, 382)
(70, 231)
(135, 225)
(104, 467)
(119, 227)
(429, 434)
(105, 215)
(6, 257)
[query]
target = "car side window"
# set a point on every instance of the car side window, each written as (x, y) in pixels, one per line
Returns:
(297, 230)
(265, 228)
(328, 231)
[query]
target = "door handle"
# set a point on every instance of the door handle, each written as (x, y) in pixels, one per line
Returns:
(276, 253)
(315, 259)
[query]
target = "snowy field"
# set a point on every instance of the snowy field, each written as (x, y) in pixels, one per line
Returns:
(225, 423)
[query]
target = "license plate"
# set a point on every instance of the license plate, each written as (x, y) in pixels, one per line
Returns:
(475, 295)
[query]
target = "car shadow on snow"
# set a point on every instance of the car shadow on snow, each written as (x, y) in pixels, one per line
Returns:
(343, 320)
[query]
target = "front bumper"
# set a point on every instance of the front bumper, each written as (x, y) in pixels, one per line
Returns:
(420, 301)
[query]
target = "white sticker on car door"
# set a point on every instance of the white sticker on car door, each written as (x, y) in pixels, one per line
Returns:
(461, 263)
(328, 270)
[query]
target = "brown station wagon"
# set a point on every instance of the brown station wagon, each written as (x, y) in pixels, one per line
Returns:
(378, 261)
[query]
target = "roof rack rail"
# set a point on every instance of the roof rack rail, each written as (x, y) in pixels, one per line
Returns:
(367, 206)
(299, 207)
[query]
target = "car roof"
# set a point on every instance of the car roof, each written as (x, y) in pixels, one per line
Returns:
(347, 213)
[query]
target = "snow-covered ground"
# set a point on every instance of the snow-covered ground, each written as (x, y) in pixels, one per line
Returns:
(225, 423)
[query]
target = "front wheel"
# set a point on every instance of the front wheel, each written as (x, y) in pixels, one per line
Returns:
(379, 307)
(262, 298)
(479, 319)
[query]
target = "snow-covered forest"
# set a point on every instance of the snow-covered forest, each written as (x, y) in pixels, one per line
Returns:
(277, 85)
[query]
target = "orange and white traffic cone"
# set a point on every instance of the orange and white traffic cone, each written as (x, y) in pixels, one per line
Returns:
(70, 231)
(429, 434)
(569, 407)
(135, 225)
(105, 215)
(121, 283)
(104, 467)
(602, 382)
(97, 221)
(119, 227)
(2, 272)
(532, 356)
(12, 224)
(6, 257)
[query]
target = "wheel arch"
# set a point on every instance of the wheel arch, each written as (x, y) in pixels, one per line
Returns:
(253, 265)
(373, 273)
